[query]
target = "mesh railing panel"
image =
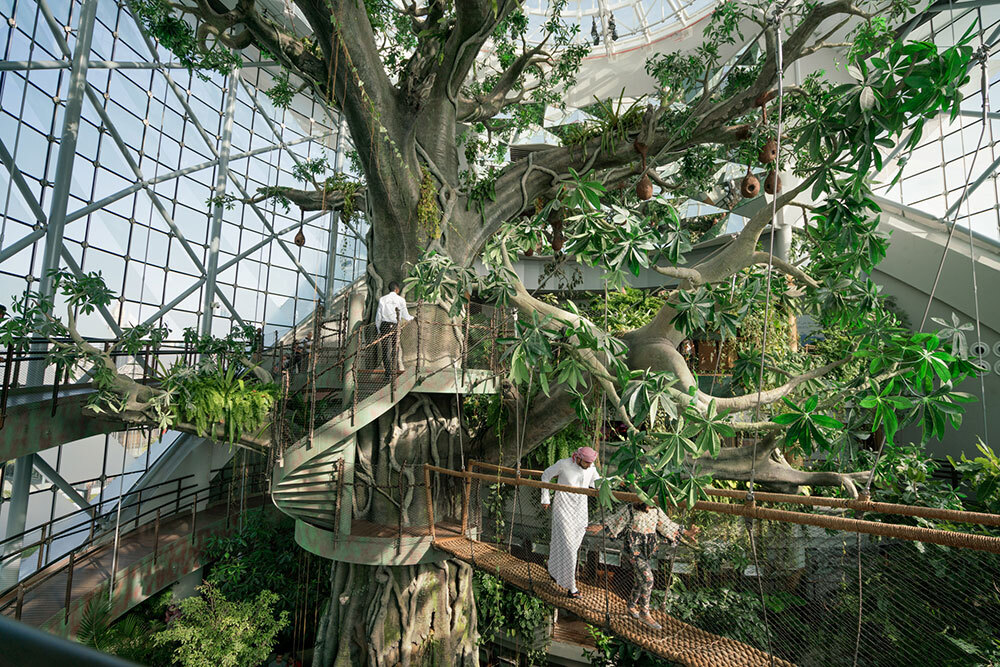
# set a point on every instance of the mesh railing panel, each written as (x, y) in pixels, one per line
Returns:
(347, 367)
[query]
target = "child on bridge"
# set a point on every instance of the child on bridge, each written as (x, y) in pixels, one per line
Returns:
(642, 526)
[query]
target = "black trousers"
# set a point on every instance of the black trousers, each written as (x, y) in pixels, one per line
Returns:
(389, 333)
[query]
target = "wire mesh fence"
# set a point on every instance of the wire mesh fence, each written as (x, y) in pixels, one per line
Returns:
(743, 590)
(336, 367)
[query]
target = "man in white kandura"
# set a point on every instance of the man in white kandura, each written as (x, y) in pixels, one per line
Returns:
(388, 327)
(569, 515)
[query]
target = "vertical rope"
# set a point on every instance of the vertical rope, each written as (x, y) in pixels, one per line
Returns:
(775, 21)
(857, 639)
(982, 54)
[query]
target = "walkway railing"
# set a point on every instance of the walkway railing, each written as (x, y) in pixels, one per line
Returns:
(760, 585)
(321, 381)
(153, 506)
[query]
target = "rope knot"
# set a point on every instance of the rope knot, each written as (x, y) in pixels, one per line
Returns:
(982, 54)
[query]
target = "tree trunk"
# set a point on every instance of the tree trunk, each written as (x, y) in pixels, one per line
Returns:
(386, 616)
(409, 615)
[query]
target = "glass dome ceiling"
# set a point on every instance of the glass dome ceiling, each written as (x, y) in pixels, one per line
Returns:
(635, 22)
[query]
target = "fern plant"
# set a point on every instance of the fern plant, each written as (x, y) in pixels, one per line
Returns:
(213, 396)
(128, 638)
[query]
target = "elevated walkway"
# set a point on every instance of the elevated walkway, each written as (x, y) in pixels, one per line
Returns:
(677, 641)
(763, 585)
(145, 560)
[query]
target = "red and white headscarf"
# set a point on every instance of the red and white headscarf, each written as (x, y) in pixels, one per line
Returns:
(585, 454)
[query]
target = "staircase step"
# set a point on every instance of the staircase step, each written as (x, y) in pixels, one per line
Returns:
(292, 494)
(305, 485)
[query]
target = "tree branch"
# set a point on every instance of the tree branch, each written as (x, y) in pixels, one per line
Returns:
(752, 400)
(761, 258)
(333, 199)
(484, 107)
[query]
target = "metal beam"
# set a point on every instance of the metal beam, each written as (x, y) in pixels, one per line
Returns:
(67, 146)
(17, 516)
(19, 65)
(267, 225)
(215, 231)
(222, 268)
(50, 474)
(82, 212)
(295, 158)
(90, 208)
(29, 197)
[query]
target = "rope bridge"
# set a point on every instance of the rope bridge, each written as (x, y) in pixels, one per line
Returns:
(838, 589)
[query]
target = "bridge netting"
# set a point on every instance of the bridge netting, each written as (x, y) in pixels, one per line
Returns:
(757, 585)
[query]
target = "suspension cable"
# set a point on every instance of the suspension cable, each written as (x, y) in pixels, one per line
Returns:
(982, 54)
(775, 21)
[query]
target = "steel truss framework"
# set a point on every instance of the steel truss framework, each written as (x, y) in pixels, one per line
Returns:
(110, 144)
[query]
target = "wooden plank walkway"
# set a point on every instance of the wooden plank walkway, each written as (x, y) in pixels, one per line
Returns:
(44, 602)
(677, 641)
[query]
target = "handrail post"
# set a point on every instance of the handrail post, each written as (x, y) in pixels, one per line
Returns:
(354, 393)
(7, 369)
(156, 536)
(41, 547)
(419, 348)
(69, 586)
(16, 375)
(494, 334)
(138, 509)
(20, 602)
(430, 501)
(55, 390)
(194, 516)
(465, 341)
(396, 332)
(177, 508)
(466, 492)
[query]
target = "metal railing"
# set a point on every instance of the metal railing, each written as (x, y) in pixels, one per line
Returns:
(180, 499)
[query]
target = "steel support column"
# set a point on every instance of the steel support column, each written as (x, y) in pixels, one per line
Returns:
(17, 515)
(67, 145)
(215, 232)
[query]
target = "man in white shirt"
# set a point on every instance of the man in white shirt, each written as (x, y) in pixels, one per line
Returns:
(388, 327)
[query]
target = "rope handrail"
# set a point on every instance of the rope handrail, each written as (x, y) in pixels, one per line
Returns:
(751, 510)
(858, 504)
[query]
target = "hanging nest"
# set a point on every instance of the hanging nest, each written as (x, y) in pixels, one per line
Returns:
(644, 188)
(769, 153)
(300, 238)
(772, 183)
(750, 186)
(557, 242)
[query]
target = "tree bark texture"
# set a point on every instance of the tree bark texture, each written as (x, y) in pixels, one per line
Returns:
(411, 615)
(408, 616)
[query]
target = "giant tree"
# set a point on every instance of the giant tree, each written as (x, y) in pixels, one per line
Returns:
(433, 92)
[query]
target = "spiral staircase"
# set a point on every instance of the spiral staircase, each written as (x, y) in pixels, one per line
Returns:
(313, 477)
